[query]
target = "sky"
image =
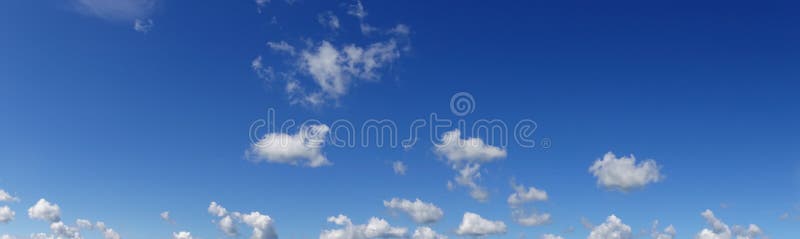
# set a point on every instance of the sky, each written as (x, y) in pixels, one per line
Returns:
(616, 119)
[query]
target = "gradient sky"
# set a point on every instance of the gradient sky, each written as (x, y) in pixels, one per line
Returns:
(118, 123)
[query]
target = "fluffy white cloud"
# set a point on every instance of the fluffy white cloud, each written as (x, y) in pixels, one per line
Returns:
(426, 233)
(399, 167)
(44, 210)
(217, 210)
(375, 228)
(522, 195)
(84, 224)
(262, 225)
(474, 225)
(720, 230)
(530, 219)
(624, 173)
(419, 211)
(143, 25)
(6, 214)
(550, 236)
(182, 235)
(612, 228)
(116, 9)
(470, 150)
(668, 233)
(750, 232)
(304, 147)
(61, 230)
(6, 197)
(228, 226)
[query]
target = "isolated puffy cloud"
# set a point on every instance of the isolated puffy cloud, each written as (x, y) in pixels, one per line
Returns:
(612, 228)
(550, 236)
(419, 211)
(6, 197)
(470, 150)
(375, 228)
(530, 218)
(62, 230)
(46, 211)
(182, 235)
(668, 233)
(624, 173)
(474, 225)
(522, 195)
(399, 167)
(304, 147)
(6, 214)
(262, 225)
(426, 233)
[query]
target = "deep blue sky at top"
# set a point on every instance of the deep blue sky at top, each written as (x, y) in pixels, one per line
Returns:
(118, 125)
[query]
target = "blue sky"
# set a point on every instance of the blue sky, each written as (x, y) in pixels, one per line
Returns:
(117, 111)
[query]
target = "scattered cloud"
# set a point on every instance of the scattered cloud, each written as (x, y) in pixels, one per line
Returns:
(262, 224)
(302, 148)
(530, 218)
(668, 233)
(625, 173)
(720, 230)
(263, 72)
(46, 211)
(550, 236)
(419, 211)
(165, 216)
(61, 230)
(399, 168)
(182, 235)
(465, 156)
(612, 228)
(375, 228)
(523, 195)
(426, 233)
(357, 9)
(328, 20)
(281, 46)
(143, 25)
(6, 197)
(474, 225)
(6, 214)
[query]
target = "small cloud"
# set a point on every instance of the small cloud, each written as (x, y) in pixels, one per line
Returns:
(625, 173)
(6, 197)
(165, 216)
(143, 25)
(399, 167)
(474, 225)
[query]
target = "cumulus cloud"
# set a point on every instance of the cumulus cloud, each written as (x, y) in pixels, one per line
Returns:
(419, 211)
(6, 197)
(668, 233)
(84, 224)
(61, 230)
(749, 232)
(263, 226)
(375, 228)
(474, 225)
(399, 167)
(625, 173)
(426, 233)
(550, 236)
(465, 155)
(612, 228)
(530, 218)
(6, 214)
(117, 10)
(523, 195)
(46, 211)
(304, 147)
(182, 235)
(720, 230)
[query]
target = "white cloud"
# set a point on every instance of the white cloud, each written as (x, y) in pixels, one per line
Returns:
(84, 224)
(6, 197)
(426, 233)
(228, 226)
(165, 216)
(262, 225)
(6, 214)
(304, 147)
(46, 211)
(61, 230)
(266, 73)
(720, 230)
(6, 236)
(612, 228)
(116, 9)
(401, 30)
(329, 20)
(399, 167)
(750, 232)
(217, 210)
(419, 211)
(357, 9)
(668, 233)
(624, 173)
(108, 233)
(467, 175)
(522, 195)
(375, 228)
(143, 25)
(530, 219)
(474, 225)
(550, 236)
(182, 235)
(281, 46)
(470, 150)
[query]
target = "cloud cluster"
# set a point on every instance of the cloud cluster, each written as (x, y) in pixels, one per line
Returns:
(6, 197)
(465, 155)
(262, 225)
(612, 228)
(6, 214)
(720, 230)
(523, 195)
(625, 173)
(375, 228)
(668, 233)
(474, 225)
(302, 148)
(426, 233)
(419, 211)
